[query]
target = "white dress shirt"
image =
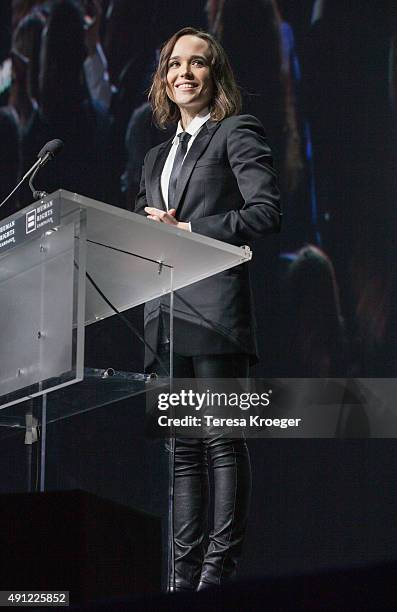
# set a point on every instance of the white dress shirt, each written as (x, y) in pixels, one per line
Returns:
(193, 129)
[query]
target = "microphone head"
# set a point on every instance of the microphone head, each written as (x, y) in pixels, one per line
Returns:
(52, 147)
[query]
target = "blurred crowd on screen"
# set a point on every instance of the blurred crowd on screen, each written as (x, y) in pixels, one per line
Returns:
(321, 75)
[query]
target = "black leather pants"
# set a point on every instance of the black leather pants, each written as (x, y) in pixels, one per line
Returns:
(202, 558)
(228, 461)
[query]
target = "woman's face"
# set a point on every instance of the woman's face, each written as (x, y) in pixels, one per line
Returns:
(189, 80)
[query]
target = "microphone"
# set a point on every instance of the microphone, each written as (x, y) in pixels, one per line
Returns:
(49, 150)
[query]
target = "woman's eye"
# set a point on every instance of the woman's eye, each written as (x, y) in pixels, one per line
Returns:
(172, 64)
(198, 62)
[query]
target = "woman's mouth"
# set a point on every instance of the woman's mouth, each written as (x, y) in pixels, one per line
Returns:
(185, 86)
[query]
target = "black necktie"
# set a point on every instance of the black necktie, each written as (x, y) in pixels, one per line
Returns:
(184, 138)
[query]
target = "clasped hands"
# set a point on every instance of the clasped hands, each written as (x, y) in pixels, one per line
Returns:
(168, 217)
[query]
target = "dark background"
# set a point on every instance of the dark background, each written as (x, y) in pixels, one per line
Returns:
(316, 503)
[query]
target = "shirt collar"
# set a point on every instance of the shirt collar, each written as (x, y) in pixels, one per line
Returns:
(195, 125)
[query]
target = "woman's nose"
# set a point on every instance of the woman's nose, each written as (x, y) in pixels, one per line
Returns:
(185, 70)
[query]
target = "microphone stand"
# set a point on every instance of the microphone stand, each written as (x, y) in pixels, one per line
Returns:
(37, 195)
(34, 168)
(49, 150)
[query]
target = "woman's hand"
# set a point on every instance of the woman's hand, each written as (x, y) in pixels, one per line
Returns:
(168, 217)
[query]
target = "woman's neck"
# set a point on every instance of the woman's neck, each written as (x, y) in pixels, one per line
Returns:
(188, 116)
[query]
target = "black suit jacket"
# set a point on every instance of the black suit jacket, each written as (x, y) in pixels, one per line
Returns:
(227, 189)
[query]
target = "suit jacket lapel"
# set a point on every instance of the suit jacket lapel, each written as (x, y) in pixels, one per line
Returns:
(199, 144)
(155, 178)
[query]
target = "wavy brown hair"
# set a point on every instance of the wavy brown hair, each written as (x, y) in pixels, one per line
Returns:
(226, 100)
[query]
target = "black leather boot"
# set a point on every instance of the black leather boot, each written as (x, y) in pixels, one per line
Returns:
(190, 511)
(232, 489)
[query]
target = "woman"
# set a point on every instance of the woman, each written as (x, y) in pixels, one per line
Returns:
(215, 178)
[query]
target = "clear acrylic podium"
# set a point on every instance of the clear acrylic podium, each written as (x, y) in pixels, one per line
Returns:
(68, 261)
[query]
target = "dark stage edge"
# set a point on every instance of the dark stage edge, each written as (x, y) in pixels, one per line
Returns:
(355, 589)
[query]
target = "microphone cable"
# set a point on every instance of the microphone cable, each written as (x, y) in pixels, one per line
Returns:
(128, 323)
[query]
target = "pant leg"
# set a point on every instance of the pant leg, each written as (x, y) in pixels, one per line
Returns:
(231, 470)
(190, 511)
(230, 466)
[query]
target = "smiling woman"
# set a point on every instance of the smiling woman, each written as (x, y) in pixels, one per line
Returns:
(225, 97)
(189, 80)
(214, 177)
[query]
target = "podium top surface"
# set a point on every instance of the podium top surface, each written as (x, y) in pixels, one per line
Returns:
(130, 257)
(100, 215)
